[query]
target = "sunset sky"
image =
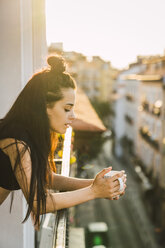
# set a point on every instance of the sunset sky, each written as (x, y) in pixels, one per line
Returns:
(116, 30)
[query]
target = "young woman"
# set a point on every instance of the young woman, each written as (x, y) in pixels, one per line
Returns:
(28, 138)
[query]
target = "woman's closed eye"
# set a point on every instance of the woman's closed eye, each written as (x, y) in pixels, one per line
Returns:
(67, 110)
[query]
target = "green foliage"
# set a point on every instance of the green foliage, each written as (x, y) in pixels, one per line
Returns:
(103, 109)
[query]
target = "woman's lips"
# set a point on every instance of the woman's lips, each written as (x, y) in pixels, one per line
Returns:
(67, 125)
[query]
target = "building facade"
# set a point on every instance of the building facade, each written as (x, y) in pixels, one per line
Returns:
(94, 75)
(126, 111)
(139, 127)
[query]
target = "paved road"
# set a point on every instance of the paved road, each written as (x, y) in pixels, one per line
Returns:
(129, 225)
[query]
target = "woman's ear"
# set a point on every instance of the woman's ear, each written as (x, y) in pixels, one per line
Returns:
(48, 109)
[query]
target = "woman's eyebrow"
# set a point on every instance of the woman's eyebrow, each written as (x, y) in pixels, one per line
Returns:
(70, 104)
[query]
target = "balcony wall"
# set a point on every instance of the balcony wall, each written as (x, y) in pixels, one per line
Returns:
(22, 49)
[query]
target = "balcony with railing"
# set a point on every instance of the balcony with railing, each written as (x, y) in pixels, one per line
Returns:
(54, 231)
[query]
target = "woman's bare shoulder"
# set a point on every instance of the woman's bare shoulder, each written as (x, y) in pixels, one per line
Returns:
(10, 143)
(12, 147)
(6, 142)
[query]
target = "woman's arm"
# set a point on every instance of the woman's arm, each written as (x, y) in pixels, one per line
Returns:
(100, 188)
(63, 183)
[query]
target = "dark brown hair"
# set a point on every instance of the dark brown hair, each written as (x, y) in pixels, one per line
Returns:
(29, 109)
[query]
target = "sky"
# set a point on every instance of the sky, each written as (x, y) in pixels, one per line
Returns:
(115, 30)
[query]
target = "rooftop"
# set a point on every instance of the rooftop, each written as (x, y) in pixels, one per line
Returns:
(86, 117)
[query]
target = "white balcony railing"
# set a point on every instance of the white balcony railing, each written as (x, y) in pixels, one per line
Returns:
(53, 233)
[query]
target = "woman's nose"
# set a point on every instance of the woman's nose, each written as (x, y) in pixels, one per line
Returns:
(72, 116)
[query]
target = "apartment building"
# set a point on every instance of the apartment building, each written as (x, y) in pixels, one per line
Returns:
(140, 126)
(125, 123)
(151, 137)
(151, 119)
(150, 125)
(94, 75)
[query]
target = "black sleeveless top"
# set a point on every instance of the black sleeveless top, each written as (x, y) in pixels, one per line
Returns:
(7, 178)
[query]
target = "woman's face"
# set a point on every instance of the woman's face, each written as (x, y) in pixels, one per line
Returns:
(61, 115)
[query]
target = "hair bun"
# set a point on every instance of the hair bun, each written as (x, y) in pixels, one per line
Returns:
(56, 63)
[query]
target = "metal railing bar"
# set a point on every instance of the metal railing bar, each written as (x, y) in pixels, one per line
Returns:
(66, 153)
(61, 216)
(57, 159)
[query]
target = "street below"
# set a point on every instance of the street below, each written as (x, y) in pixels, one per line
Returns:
(128, 221)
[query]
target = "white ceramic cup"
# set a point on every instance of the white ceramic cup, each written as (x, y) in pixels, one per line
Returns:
(112, 173)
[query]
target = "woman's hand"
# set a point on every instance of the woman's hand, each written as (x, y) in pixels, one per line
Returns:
(108, 187)
(124, 178)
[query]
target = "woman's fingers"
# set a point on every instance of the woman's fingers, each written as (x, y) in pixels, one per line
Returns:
(117, 175)
(117, 188)
(103, 172)
(122, 193)
(115, 185)
(115, 194)
(108, 187)
(124, 178)
(116, 182)
(116, 198)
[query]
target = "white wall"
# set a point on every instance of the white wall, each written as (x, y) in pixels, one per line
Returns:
(11, 229)
(10, 62)
(23, 51)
